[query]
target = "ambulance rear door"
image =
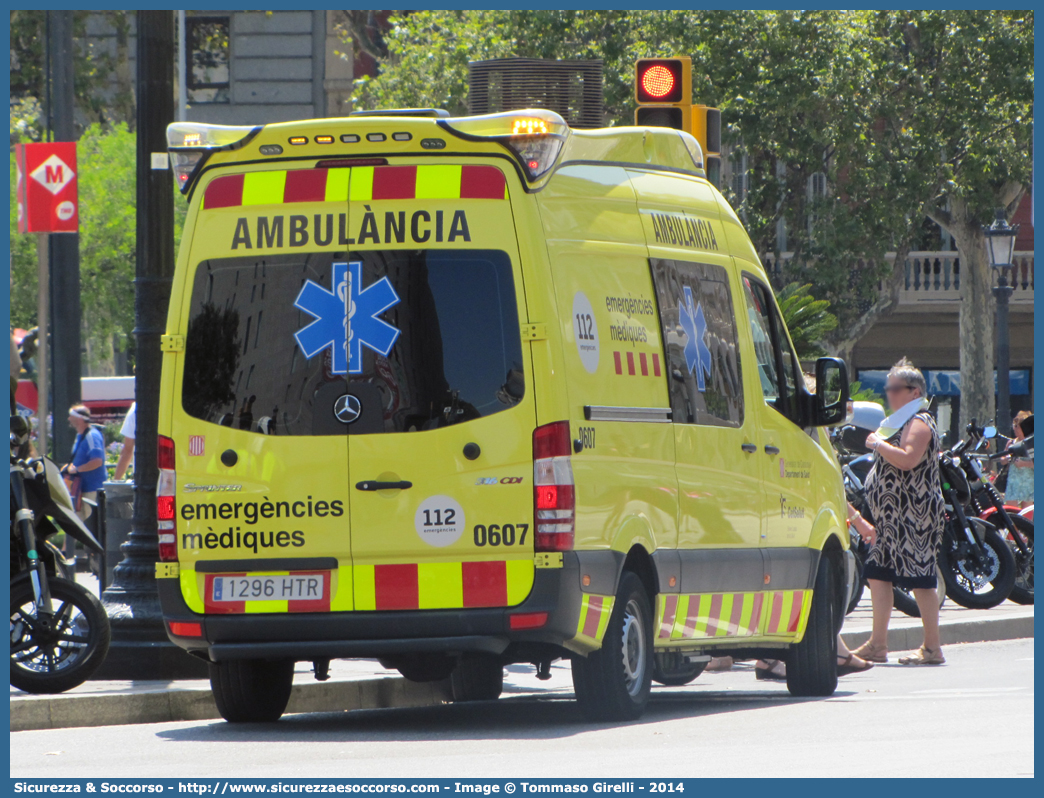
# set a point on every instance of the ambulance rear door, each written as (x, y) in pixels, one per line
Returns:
(439, 408)
(261, 457)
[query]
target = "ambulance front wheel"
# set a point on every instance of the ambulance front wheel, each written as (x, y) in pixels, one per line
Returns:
(812, 663)
(613, 683)
(251, 690)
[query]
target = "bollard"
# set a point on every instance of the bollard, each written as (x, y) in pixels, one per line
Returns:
(119, 513)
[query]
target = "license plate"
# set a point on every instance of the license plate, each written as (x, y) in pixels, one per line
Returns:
(292, 587)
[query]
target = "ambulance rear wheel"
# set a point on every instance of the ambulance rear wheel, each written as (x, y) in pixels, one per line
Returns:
(812, 663)
(478, 677)
(251, 690)
(613, 683)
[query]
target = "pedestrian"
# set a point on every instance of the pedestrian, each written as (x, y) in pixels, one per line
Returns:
(904, 493)
(87, 468)
(1019, 489)
(127, 431)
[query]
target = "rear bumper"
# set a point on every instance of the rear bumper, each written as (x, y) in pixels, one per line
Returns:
(305, 636)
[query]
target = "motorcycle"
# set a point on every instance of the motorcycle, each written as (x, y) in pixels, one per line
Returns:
(986, 503)
(59, 630)
(976, 562)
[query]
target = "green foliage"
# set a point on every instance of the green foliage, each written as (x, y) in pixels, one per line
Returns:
(860, 394)
(808, 319)
(93, 69)
(106, 163)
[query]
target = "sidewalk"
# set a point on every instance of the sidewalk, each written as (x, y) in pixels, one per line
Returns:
(364, 684)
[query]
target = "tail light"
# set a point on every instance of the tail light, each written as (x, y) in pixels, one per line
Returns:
(554, 492)
(166, 510)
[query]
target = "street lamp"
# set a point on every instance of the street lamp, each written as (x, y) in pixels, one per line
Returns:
(1000, 238)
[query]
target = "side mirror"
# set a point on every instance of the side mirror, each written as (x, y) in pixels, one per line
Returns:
(989, 432)
(831, 400)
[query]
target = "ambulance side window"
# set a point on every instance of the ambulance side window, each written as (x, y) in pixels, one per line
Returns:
(775, 357)
(700, 342)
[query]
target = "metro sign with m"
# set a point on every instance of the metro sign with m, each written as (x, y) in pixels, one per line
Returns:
(47, 187)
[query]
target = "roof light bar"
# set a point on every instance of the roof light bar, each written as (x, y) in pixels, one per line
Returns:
(534, 136)
(190, 143)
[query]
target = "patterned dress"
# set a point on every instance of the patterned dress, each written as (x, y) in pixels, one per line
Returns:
(907, 508)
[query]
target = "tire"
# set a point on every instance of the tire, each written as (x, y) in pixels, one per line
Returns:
(677, 675)
(904, 601)
(1022, 593)
(251, 690)
(968, 585)
(860, 584)
(57, 661)
(812, 663)
(477, 677)
(613, 683)
(426, 667)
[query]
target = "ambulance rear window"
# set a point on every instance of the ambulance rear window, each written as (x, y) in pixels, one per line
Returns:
(431, 338)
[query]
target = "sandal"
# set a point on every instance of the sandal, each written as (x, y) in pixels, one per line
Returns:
(775, 672)
(871, 653)
(852, 664)
(924, 656)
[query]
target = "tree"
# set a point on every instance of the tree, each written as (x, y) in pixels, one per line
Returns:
(808, 319)
(94, 70)
(961, 126)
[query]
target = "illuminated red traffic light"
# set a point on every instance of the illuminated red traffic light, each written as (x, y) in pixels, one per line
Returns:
(662, 80)
(657, 81)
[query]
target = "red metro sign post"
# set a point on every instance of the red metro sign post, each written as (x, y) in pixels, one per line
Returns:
(47, 203)
(47, 200)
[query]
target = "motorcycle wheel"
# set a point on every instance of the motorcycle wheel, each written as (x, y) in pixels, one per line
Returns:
(57, 660)
(1022, 593)
(904, 601)
(977, 587)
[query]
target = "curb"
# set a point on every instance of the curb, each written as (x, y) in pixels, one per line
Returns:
(909, 638)
(71, 711)
(84, 710)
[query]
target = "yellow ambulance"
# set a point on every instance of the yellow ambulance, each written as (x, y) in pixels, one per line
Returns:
(455, 393)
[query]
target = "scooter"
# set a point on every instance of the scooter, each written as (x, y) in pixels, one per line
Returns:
(59, 630)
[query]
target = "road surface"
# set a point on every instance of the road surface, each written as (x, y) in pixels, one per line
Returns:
(971, 717)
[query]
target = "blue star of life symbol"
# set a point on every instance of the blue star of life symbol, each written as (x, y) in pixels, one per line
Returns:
(346, 318)
(697, 354)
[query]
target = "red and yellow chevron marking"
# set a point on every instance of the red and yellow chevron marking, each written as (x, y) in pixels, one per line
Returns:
(405, 586)
(442, 585)
(358, 184)
(724, 615)
(786, 611)
(640, 363)
(595, 611)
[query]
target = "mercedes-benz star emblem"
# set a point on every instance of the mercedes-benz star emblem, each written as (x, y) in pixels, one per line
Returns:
(347, 408)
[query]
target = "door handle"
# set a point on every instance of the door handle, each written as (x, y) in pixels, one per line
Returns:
(770, 449)
(749, 448)
(373, 485)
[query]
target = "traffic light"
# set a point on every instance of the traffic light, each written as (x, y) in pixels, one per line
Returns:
(706, 129)
(663, 91)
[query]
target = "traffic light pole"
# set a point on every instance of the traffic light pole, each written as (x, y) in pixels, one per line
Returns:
(140, 648)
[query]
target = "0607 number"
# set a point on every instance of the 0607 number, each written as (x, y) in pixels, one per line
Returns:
(500, 534)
